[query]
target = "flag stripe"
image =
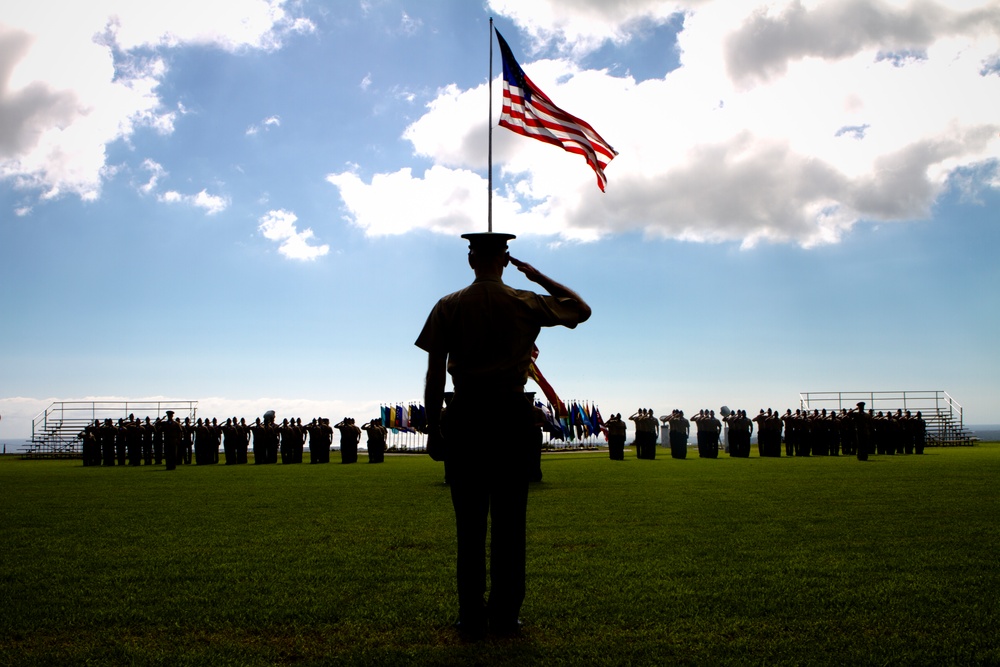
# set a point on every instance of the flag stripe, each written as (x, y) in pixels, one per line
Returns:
(551, 121)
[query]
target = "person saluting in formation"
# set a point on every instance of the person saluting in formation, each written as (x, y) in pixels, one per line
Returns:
(483, 336)
(172, 440)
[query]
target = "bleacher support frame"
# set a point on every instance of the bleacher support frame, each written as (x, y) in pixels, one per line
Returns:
(55, 431)
(943, 414)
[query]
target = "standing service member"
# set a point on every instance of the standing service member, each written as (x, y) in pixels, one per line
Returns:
(483, 336)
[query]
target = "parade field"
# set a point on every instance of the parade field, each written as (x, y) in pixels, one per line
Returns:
(821, 560)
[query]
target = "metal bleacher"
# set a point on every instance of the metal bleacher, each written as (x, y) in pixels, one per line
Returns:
(54, 432)
(943, 415)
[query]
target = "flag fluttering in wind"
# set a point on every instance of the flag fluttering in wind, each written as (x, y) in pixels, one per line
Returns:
(529, 111)
(550, 393)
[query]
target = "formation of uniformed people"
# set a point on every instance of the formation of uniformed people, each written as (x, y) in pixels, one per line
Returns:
(680, 428)
(616, 437)
(708, 430)
(377, 434)
(172, 441)
(820, 432)
(350, 435)
(856, 432)
(645, 434)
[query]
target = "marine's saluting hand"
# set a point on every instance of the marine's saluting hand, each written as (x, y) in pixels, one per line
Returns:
(530, 272)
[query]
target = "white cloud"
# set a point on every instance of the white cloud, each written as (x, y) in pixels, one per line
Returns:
(409, 25)
(211, 204)
(771, 38)
(279, 225)
(266, 124)
(748, 140)
(76, 76)
(580, 26)
(156, 172)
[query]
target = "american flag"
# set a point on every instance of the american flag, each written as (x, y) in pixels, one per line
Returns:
(529, 111)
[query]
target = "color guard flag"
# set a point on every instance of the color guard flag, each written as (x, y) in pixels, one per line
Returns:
(529, 111)
(535, 374)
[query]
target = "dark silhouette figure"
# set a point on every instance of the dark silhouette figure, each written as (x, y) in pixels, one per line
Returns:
(350, 435)
(376, 440)
(483, 336)
(172, 440)
(616, 437)
(680, 428)
(645, 434)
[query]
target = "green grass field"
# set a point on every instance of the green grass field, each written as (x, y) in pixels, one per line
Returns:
(708, 562)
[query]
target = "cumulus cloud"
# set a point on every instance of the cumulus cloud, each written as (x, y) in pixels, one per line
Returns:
(785, 124)
(580, 26)
(71, 86)
(768, 40)
(279, 225)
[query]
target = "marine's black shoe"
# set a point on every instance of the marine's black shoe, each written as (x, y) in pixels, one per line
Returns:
(470, 632)
(508, 629)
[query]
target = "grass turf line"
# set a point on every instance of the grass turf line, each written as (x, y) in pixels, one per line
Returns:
(819, 560)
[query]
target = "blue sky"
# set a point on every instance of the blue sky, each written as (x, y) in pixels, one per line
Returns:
(256, 204)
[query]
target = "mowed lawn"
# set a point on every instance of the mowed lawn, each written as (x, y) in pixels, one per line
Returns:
(709, 562)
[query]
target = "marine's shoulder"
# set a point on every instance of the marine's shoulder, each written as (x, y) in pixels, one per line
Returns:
(479, 287)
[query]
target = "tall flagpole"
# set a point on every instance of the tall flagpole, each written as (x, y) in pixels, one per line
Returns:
(489, 179)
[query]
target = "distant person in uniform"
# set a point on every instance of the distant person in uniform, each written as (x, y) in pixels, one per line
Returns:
(376, 440)
(269, 438)
(201, 437)
(230, 440)
(327, 437)
(243, 443)
(172, 440)
(645, 434)
(713, 430)
(107, 436)
(680, 428)
(742, 429)
(187, 439)
(91, 450)
(483, 335)
(158, 441)
(288, 434)
(121, 442)
(257, 430)
(863, 430)
(617, 431)
(350, 436)
(299, 445)
(762, 432)
(147, 430)
(919, 433)
(319, 444)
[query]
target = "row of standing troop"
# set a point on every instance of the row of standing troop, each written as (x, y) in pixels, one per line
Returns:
(173, 441)
(854, 432)
(857, 432)
(133, 441)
